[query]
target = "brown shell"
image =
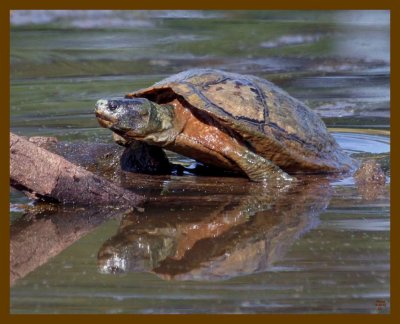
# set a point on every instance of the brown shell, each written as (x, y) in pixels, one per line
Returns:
(276, 125)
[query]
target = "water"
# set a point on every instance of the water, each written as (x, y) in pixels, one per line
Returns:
(205, 244)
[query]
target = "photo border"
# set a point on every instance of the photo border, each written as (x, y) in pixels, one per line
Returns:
(6, 6)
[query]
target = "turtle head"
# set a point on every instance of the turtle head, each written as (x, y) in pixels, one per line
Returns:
(134, 118)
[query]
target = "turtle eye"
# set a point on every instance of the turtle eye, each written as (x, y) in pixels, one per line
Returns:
(112, 105)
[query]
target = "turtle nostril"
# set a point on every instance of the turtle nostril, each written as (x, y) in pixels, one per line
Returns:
(112, 105)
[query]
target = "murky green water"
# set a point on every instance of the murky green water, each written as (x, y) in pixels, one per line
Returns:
(207, 244)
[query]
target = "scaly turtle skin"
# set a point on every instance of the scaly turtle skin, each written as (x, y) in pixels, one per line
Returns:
(237, 122)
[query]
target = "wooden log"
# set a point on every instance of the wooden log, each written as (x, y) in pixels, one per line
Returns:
(39, 235)
(47, 176)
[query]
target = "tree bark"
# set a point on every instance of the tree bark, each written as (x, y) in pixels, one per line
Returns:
(47, 176)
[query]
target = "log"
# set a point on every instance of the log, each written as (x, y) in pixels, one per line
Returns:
(39, 235)
(47, 176)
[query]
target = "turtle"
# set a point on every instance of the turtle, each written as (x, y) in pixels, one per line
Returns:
(236, 122)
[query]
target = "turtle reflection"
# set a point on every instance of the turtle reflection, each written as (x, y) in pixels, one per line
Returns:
(215, 240)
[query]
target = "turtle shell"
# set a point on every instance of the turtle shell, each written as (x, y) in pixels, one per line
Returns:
(270, 121)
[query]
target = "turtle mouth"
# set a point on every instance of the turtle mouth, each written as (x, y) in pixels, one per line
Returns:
(104, 121)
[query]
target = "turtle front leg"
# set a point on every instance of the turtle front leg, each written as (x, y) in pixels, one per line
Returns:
(140, 157)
